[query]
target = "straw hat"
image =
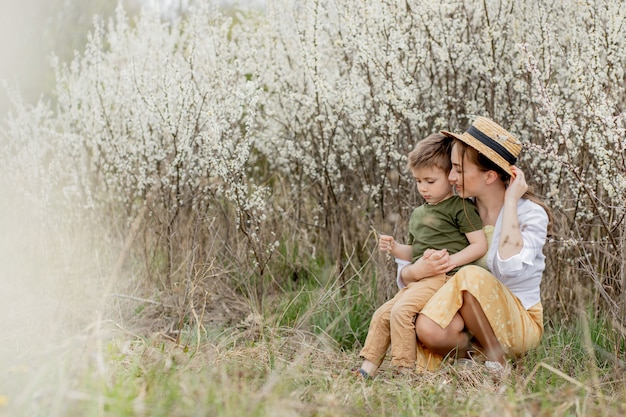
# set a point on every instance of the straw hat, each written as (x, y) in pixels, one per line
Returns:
(492, 140)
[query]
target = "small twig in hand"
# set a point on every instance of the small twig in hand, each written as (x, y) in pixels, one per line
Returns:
(389, 248)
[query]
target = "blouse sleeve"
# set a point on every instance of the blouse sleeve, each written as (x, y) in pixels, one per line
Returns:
(401, 264)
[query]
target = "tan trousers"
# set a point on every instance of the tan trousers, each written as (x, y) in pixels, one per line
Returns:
(394, 323)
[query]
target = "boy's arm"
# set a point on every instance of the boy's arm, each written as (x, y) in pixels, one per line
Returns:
(475, 250)
(388, 244)
(404, 252)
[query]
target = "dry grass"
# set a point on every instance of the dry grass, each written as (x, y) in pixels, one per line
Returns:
(265, 371)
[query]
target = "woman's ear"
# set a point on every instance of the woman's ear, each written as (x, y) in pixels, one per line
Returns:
(491, 176)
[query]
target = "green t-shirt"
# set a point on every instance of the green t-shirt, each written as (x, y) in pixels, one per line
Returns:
(443, 225)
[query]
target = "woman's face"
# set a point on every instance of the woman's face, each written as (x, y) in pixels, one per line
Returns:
(467, 178)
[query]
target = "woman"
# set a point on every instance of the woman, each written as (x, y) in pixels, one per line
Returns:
(502, 310)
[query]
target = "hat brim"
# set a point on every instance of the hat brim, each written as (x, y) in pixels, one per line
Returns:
(482, 148)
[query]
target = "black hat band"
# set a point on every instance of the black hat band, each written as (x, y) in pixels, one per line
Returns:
(493, 144)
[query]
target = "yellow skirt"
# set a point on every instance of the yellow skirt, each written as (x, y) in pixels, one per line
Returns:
(516, 328)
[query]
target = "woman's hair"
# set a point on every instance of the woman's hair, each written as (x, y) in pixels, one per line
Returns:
(485, 164)
(432, 151)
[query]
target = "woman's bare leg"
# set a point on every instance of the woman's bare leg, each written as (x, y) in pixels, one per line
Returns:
(477, 323)
(452, 339)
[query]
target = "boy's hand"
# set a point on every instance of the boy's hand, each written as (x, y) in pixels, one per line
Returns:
(385, 243)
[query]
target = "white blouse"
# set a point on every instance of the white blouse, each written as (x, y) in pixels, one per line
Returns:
(522, 273)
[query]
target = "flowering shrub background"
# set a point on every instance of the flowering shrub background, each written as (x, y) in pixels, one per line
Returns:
(249, 148)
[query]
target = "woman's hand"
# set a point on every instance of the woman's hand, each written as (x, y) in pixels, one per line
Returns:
(517, 185)
(437, 262)
(433, 262)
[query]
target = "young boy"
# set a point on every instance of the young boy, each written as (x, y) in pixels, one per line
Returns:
(445, 221)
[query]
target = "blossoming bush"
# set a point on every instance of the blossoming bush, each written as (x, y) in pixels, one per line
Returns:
(229, 135)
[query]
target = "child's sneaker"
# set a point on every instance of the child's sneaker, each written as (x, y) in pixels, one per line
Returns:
(360, 373)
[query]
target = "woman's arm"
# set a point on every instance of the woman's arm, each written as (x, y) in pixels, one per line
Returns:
(522, 236)
(511, 241)
(475, 250)
(533, 223)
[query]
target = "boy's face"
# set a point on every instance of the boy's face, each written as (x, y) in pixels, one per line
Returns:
(432, 184)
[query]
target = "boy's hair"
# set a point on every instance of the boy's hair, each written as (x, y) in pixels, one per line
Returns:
(432, 151)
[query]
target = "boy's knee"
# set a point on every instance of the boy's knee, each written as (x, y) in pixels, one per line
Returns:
(381, 315)
(398, 314)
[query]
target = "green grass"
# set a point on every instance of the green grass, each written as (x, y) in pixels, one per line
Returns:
(293, 358)
(280, 371)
